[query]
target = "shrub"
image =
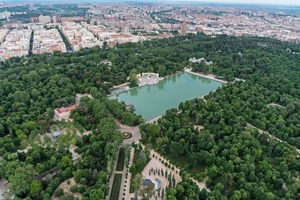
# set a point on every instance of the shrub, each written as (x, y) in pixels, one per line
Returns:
(59, 192)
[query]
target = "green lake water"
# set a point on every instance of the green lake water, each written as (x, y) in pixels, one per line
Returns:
(152, 100)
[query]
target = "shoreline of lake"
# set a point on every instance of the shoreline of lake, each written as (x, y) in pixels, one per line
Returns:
(126, 88)
(209, 76)
(150, 101)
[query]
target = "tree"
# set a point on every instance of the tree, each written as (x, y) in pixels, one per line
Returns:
(20, 181)
(2, 112)
(133, 78)
(2, 130)
(65, 162)
(136, 182)
(35, 188)
(96, 194)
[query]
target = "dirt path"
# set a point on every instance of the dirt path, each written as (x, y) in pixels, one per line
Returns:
(4, 190)
(65, 186)
(201, 185)
(79, 96)
(75, 155)
(272, 136)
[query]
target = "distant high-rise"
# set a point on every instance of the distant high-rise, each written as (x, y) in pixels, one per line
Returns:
(6, 13)
(44, 19)
(199, 30)
(125, 28)
(183, 28)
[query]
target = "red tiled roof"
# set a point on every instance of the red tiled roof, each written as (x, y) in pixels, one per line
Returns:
(121, 35)
(67, 109)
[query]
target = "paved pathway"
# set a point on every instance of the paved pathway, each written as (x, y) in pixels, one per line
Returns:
(157, 161)
(126, 177)
(201, 185)
(209, 76)
(111, 179)
(156, 164)
(121, 85)
(125, 185)
(134, 130)
(153, 120)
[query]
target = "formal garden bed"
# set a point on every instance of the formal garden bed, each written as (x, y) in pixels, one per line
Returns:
(114, 195)
(126, 135)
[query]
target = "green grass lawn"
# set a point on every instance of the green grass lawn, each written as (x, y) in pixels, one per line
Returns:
(182, 162)
(121, 159)
(114, 195)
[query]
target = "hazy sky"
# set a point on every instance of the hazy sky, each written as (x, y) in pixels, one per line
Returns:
(282, 2)
(272, 2)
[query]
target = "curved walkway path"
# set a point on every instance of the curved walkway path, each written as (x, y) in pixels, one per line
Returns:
(209, 76)
(134, 130)
(273, 137)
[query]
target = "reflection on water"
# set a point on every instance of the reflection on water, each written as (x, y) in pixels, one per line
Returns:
(161, 84)
(206, 80)
(174, 78)
(195, 77)
(134, 92)
(153, 100)
(148, 88)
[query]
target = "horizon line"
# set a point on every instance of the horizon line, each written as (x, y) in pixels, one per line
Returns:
(220, 2)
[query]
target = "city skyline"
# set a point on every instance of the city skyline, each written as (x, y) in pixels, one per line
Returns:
(267, 2)
(260, 2)
(149, 99)
(97, 25)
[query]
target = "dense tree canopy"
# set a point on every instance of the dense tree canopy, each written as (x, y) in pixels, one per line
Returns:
(239, 162)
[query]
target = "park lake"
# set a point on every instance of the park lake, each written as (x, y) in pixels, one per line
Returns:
(153, 100)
